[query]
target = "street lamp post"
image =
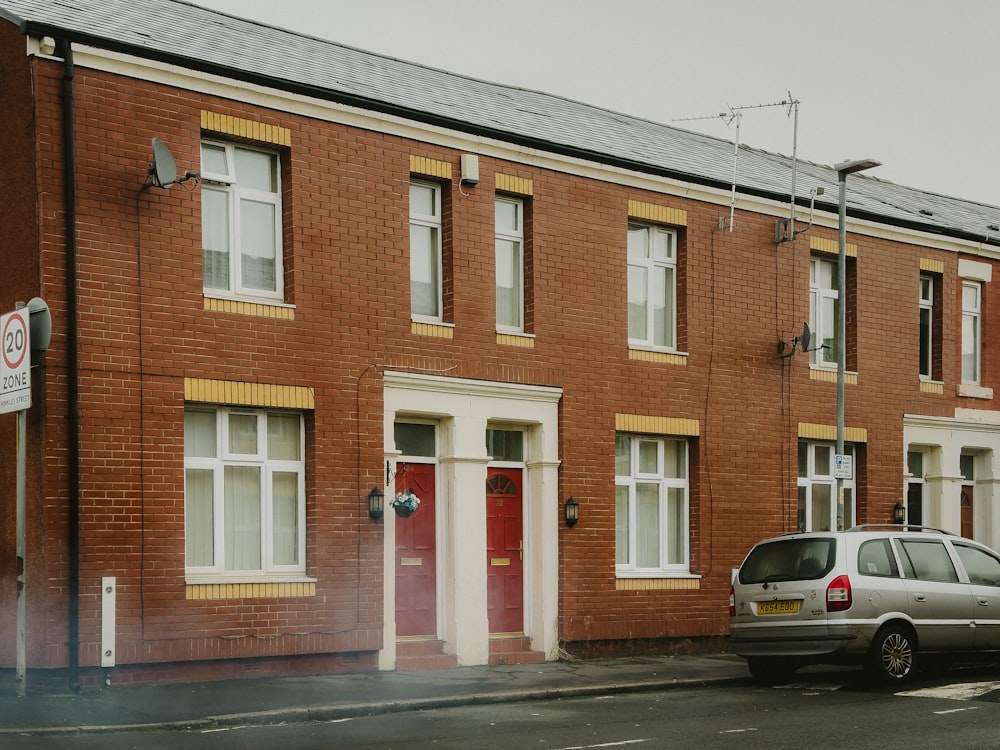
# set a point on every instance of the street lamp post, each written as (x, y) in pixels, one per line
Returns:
(843, 169)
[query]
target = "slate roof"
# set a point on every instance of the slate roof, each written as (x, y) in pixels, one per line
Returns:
(190, 36)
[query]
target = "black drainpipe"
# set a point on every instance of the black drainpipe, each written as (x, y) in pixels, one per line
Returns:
(72, 375)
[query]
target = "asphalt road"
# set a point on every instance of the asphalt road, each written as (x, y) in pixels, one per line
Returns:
(956, 709)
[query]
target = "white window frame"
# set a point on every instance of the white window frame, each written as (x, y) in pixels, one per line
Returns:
(823, 354)
(626, 565)
(217, 464)
(972, 336)
(649, 267)
(227, 184)
(433, 222)
(814, 477)
(926, 350)
(515, 236)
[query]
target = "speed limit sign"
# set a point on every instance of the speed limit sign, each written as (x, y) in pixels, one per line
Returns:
(15, 364)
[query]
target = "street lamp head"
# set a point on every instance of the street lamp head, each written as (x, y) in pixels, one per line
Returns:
(850, 167)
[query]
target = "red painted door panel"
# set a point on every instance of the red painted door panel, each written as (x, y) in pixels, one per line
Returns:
(504, 551)
(416, 557)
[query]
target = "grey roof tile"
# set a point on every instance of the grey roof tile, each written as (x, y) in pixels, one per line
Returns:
(189, 35)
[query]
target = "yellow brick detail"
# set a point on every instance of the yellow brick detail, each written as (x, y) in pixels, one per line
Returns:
(934, 266)
(432, 329)
(657, 425)
(661, 214)
(809, 431)
(249, 590)
(508, 339)
(830, 376)
(929, 387)
(506, 183)
(822, 245)
(243, 129)
(203, 390)
(667, 358)
(421, 165)
(657, 584)
(256, 309)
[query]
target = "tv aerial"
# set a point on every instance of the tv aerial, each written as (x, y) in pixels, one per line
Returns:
(163, 169)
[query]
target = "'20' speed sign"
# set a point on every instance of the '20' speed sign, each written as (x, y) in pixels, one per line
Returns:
(15, 364)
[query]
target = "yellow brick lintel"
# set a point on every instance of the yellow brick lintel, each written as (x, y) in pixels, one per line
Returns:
(657, 425)
(247, 130)
(933, 266)
(203, 390)
(421, 165)
(438, 330)
(661, 214)
(260, 310)
(249, 590)
(657, 584)
(823, 245)
(507, 183)
(809, 431)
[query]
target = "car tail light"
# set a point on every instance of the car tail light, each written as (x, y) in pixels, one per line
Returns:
(838, 594)
(732, 601)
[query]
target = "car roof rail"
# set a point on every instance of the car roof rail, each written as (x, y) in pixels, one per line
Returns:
(899, 527)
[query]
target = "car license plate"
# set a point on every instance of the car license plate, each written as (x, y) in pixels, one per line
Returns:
(788, 607)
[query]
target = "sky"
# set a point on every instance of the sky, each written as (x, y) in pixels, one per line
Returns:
(911, 83)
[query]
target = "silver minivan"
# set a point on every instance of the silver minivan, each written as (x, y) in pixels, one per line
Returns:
(872, 595)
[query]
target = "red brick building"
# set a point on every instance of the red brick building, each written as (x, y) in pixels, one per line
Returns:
(369, 275)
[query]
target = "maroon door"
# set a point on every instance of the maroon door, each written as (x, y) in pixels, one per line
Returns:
(967, 524)
(504, 551)
(416, 557)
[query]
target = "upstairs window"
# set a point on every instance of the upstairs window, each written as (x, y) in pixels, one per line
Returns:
(971, 331)
(509, 227)
(824, 304)
(930, 326)
(241, 221)
(425, 252)
(652, 286)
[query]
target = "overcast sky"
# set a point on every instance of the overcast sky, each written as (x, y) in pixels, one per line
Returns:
(911, 83)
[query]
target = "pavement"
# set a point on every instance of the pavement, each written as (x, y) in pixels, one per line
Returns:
(51, 708)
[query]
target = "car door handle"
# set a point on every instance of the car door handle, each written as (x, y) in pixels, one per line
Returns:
(983, 602)
(920, 597)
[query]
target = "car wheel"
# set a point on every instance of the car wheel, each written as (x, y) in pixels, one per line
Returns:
(893, 654)
(771, 670)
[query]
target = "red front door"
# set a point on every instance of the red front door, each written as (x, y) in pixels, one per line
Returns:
(416, 558)
(967, 523)
(504, 551)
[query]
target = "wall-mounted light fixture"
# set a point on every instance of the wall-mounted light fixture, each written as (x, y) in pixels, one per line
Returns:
(572, 511)
(376, 504)
(898, 513)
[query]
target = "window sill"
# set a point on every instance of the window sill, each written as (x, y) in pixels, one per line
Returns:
(642, 354)
(828, 375)
(931, 386)
(971, 390)
(516, 338)
(258, 308)
(430, 328)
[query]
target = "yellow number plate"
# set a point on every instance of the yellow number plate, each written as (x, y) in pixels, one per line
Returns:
(778, 608)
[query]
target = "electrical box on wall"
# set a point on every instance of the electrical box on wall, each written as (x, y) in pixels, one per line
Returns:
(470, 169)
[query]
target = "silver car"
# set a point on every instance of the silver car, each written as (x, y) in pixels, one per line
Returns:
(874, 595)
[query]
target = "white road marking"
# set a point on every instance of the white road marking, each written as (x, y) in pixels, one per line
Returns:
(960, 691)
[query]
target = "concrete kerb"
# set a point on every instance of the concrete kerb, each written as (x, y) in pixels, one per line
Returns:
(341, 711)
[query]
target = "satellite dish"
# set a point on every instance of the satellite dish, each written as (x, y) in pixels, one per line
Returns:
(806, 337)
(163, 170)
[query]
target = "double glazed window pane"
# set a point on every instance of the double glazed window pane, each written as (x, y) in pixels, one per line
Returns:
(199, 518)
(424, 271)
(651, 286)
(508, 283)
(215, 237)
(242, 518)
(285, 520)
(257, 230)
(647, 520)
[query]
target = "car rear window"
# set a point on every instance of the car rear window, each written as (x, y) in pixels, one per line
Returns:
(789, 560)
